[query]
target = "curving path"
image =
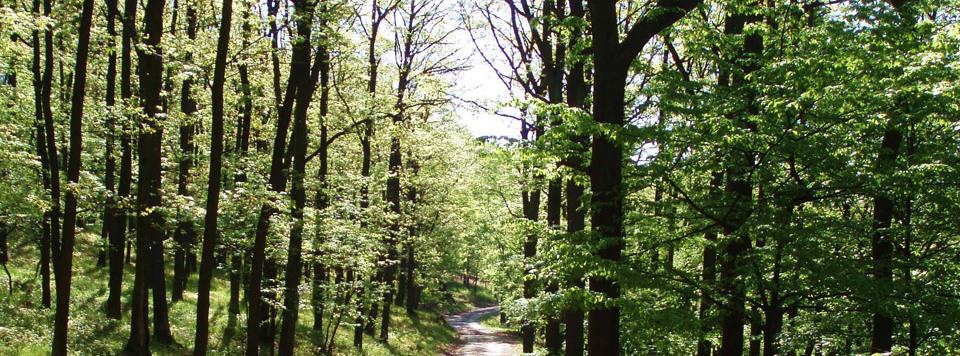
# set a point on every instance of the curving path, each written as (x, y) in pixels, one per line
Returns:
(476, 339)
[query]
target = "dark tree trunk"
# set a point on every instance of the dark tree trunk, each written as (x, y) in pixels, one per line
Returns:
(237, 267)
(395, 167)
(256, 311)
(158, 285)
(304, 13)
(210, 230)
(576, 97)
(322, 202)
(45, 296)
(115, 243)
(64, 264)
(882, 244)
(402, 275)
(739, 192)
(531, 212)
(756, 333)
(606, 161)
(185, 235)
(119, 234)
(149, 225)
(51, 137)
(377, 15)
(605, 176)
(553, 60)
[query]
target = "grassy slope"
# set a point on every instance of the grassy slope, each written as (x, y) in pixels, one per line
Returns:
(26, 329)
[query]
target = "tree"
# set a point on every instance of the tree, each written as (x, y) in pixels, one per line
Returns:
(149, 223)
(606, 179)
(185, 236)
(210, 231)
(64, 264)
(304, 10)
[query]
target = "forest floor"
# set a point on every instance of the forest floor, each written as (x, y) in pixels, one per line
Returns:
(477, 338)
(25, 327)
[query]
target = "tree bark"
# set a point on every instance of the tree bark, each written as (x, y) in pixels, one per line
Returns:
(576, 217)
(882, 244)
(64, 265)
(51, 137)
(612, 59)
(185, 235)
(303, 11)
(278, 182)
(45, 296)
(119, 233)
(210, 230)
(377, 15)
(739, 192)
(321, 201)
(149, 223)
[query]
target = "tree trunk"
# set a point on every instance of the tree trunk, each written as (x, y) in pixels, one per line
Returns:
(612, 60)
(149, 223)
(322, 202)
(118, 235)
(605, 177)
(210, 231)
(531, 211)
(278, 182)
(882, 245)
(45, 296)
(739, 191)
(64, 265)
(51, 137)
(377, 15)
(304, 14)
(553, 59)
(576, 97)
(185, 235)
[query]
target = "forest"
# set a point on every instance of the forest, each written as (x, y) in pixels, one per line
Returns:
(681, 177)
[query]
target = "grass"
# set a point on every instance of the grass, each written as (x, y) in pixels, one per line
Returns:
(492, 321)
(459, 298)
(26, 328)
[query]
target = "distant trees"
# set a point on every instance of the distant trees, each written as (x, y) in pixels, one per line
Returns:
(702, 177)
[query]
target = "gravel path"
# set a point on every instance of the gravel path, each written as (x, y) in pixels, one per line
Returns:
(476, 339)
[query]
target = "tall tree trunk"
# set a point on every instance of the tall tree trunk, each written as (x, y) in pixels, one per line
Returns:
(531, 211)
(51, 137)
(396, 166)
(553, 60)
(210, 230)
(149, 223)
(64, 265)
(278, 182)
(576, 97)
(185, 235)
(410, 302)
(605, 177)
(882, 244)
(377, 15)
(612, 60)
(45, 296)
(739, 191)
(115, 243)
(303, 11)
(119, 233)
(321, 201)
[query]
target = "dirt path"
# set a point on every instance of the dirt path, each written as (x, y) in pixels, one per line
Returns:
(476, 339)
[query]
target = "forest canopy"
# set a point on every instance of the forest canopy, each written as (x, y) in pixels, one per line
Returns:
(297, 177)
